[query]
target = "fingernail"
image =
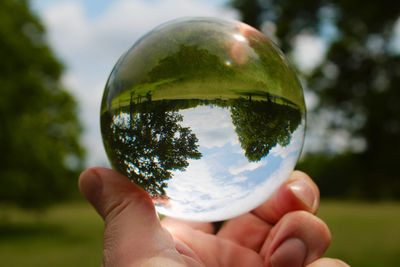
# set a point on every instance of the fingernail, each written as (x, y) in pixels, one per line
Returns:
(305, 192)
(91, 186)
(341, 263)
(290, 253)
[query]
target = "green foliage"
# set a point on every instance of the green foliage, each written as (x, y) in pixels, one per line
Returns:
(187, 62)
(358, 80)
(336, 176)
(40, 154)
(261, 125)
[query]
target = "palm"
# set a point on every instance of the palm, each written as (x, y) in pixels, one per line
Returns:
(238, 243)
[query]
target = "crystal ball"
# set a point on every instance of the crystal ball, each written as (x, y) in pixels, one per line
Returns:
(206, 115)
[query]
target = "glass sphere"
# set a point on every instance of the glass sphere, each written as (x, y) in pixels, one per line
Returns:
(206, 115)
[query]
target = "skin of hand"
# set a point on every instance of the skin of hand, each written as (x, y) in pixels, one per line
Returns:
(283, 231)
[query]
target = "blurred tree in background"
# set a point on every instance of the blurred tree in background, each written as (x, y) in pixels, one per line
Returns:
(40, 154)
(356, 84)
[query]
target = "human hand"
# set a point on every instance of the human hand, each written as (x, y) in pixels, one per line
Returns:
(283, 231)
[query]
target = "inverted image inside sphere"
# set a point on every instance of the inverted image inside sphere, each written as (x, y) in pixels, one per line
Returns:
(206, 115)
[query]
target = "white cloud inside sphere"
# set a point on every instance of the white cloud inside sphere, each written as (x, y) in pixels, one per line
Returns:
(295, 146)
(213, 126)
(90, 45)
(244, 165)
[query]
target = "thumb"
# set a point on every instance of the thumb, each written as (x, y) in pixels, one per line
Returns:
(133, 234)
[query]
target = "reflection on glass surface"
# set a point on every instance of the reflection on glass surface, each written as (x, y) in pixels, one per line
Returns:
(206, 115)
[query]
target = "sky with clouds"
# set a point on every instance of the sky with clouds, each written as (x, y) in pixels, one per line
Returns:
(89, 36)
(224, 174)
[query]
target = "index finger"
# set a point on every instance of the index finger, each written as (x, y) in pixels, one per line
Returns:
(299, 192)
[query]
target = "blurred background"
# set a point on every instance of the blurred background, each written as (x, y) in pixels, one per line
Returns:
(55, 59)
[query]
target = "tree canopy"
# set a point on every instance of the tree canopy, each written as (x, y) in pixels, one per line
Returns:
(39, 134)
(356, 81)
(146, 142)
(261, 125)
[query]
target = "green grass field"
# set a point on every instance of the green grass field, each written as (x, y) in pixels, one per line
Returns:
(364, 234)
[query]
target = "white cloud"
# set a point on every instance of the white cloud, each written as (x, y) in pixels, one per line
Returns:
(197, 194)
(239, 179)
(244, 165)
(270, 185)
(212, 126)
(90, 46)
(294, 146)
